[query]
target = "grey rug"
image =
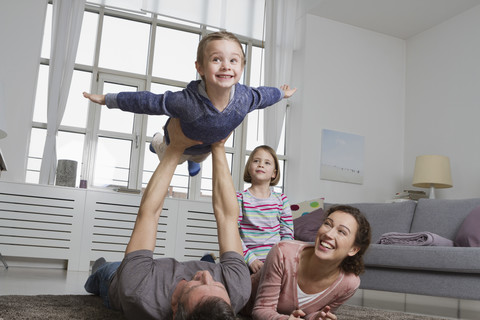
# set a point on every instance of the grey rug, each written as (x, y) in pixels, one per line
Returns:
(90, 307)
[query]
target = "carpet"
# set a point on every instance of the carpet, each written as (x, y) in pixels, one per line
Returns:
(61, 307)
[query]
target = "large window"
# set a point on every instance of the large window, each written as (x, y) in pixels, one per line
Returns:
(120, 51)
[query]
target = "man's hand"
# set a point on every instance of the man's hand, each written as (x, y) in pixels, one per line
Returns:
(288, 91)
(177, 139)
(221, 144)
(97, 98)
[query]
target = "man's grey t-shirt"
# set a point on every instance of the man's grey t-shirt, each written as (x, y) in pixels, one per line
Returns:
(142, 287)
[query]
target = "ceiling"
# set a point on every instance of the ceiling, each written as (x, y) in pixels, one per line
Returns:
(399, 18)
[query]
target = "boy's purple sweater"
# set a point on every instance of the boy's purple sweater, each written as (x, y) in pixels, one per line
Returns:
(199, 119)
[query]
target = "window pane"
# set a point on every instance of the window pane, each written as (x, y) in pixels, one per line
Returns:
(112, 162)
(242, 78)
(40, 110)
(178, 21)
(206, 183)
(257, 67)
(255, 134)
(229, 142)
(246, 185)
(86, 45)
(281, 144)
(115, 119)
(279, 186)
(76, 110)
(70, 147)
(47, 33)
(255, 129)
(178, 186)
(35, 154)
(175, 54)
(77, 106)
(124, 45)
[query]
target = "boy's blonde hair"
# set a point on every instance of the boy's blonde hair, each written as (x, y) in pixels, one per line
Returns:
(246, 175)
(220, 35)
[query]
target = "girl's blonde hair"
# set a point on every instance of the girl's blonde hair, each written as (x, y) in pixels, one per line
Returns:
(246, 175)
(220, 35)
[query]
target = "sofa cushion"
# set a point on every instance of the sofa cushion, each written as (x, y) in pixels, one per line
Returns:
(304, 207)
(445, 259)
(306, 227)
(386, 217)
(441, 216)
(469, 233)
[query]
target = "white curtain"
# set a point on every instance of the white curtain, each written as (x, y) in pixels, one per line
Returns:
(66, 26)
(279, 41)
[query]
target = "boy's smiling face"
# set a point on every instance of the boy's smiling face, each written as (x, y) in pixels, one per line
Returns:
(223, 64)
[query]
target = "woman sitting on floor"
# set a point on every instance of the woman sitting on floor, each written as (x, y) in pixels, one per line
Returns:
(303, 280)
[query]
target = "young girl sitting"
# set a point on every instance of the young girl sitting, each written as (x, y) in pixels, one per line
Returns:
(265, 216)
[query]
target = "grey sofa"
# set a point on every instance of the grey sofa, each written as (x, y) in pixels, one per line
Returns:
(427, 270)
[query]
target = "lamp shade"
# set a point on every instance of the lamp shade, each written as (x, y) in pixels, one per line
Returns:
(432, 170)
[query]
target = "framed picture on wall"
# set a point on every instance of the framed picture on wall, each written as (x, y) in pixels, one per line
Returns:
(342, 157)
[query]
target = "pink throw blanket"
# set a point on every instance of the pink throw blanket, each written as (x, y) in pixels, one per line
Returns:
(415, 239)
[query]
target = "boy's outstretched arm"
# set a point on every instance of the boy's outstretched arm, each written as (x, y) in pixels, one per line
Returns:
(225, 204)
(97, 98)
(145, 230)
(288, 91)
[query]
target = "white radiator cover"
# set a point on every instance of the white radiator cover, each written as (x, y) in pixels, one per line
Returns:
(81, 225)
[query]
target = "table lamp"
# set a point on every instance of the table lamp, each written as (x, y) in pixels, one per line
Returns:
(432, 171)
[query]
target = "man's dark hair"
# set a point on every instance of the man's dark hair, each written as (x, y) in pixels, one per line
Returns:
(211, 308)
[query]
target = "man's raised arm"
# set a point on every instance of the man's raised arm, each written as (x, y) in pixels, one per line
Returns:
(145, 230)
(225, 205)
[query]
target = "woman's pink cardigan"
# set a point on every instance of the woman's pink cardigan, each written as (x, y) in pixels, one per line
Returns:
(276, 296)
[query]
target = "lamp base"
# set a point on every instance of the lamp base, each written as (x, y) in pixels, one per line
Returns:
(432, 192)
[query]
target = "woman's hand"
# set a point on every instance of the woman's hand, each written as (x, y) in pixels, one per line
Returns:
(97, 98)
(325, 314)
(256, 266)
(297, 314)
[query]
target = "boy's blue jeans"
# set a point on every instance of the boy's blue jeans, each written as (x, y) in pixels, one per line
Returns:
(99, 281)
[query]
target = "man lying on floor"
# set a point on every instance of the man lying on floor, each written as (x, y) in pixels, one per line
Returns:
(146, 288)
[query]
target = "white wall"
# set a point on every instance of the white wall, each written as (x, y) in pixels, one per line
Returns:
(443, 101)
(21, 31)
(350, 80)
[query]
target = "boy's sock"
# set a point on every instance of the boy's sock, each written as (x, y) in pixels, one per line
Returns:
(193, 168)
(156, 141)
(209, 257)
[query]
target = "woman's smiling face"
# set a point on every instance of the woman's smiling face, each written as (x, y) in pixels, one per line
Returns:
(336, 237)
